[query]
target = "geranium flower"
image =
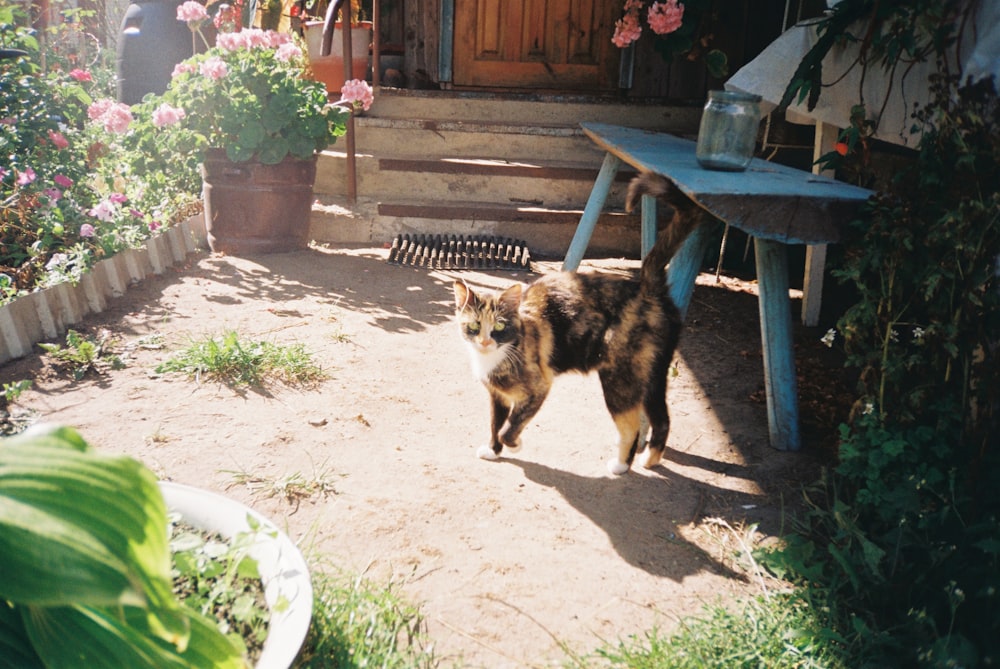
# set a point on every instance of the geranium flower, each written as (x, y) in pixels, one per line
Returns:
(214, 68)
(665, 17)
(80, 75)
(87, 230)
(627, 28)
(358, 94)
(165, 115)
(63, 181)
(185, 67)
(191, 12)
(118, 198)
(116, 116)
(53, 194)
(287, 52)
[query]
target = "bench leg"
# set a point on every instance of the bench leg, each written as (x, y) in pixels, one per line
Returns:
(595, 204)
(685, 265)
(648, 235)
(776, 336)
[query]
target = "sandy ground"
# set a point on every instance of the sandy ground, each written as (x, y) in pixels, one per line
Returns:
(509, 559)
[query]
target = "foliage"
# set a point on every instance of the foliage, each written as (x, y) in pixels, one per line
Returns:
(240, 363)
(683, 30)
(84, 354)
(69, 195)
(906, 533)
(248, 95)
(219, 579)
(890, 34)
(83, 551)
(358, 624)
(779, 632)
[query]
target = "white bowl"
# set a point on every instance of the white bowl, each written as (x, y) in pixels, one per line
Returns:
(282, 568)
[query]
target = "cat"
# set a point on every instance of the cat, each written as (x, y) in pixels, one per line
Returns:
(626, 329)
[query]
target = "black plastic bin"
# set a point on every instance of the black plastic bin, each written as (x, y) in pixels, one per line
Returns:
(151, 43)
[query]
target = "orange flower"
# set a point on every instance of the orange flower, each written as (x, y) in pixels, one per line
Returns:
(841, 148)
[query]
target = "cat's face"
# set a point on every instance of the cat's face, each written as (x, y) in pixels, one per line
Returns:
(489, 325)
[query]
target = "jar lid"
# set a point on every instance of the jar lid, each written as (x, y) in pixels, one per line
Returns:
(734, 96)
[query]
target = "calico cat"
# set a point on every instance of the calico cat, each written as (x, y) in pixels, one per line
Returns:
(625, 329)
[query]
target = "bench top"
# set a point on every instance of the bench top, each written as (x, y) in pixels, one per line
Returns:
(766, 200)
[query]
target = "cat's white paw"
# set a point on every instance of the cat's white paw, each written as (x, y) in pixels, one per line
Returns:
(617, 468)
(486, 453)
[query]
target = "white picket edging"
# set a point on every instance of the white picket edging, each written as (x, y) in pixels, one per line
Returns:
(48, 313)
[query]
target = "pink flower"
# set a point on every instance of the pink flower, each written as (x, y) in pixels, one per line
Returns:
(63, 181)
(154, 226)
(80, 75)
(191, 12)
(117, 198)
(665, 17)
(276, 39)
(287, 52)
(183, 68)
(214, 68)
(165, 115)
(115, 116)
(255, 37)
(26, 177)
(87, 230)
(58, 140)
(98, 108)
(358, 93)
(231, 41)
(53, 194)
(627, 28)
(3, 173)
(103, 211)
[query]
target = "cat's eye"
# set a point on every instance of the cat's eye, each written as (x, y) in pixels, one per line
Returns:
(499, 326)
(472, 328)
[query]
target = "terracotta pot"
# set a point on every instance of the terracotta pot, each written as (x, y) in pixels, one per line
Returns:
(255, 208)
(330, 69)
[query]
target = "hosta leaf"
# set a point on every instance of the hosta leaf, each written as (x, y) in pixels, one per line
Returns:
(15, 651)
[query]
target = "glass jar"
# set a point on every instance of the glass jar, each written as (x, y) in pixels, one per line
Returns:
(727, 136)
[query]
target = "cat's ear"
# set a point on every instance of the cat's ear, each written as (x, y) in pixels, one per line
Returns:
(511, 298)
(463, 295)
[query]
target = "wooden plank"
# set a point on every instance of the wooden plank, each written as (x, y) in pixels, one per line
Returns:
(767, 200)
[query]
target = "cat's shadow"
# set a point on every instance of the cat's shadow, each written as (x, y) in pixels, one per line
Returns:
(640, 515)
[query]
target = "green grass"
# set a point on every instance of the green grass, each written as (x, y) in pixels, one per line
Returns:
(782, 632)
(360, 624)
(244, 363)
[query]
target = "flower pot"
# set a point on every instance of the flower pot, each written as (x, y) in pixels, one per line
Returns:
(253, 208)
(282, 569)
(330, 69)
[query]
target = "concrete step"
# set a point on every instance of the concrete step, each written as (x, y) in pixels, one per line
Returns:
(552, 184)
(564, 110)
(546, 231)
(412, 138)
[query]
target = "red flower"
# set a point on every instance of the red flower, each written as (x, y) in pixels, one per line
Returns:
(841, 148)
(81, 75)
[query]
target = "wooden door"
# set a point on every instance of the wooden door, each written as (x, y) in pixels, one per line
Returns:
(536, 44)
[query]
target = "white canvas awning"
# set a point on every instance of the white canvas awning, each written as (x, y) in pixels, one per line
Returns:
(889, 97)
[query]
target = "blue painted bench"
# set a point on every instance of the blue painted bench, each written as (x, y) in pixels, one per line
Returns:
(776, 204)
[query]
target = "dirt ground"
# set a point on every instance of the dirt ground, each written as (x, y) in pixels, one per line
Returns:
(509, 559)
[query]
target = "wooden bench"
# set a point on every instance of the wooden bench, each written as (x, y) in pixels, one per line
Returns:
(776, 204)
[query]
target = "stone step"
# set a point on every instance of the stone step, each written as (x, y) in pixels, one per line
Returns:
(552, 184)
(547, 231)
(564, 110)
(412, 138)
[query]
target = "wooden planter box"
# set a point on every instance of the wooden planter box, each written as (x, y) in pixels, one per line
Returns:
(48, 313)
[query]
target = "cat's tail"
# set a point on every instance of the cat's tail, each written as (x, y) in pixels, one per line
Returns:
(687, 216)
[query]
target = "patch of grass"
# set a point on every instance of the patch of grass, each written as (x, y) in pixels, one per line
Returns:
(293, 488)
(244, 363)
(83, 354)
(360, 624)
(779, 632)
